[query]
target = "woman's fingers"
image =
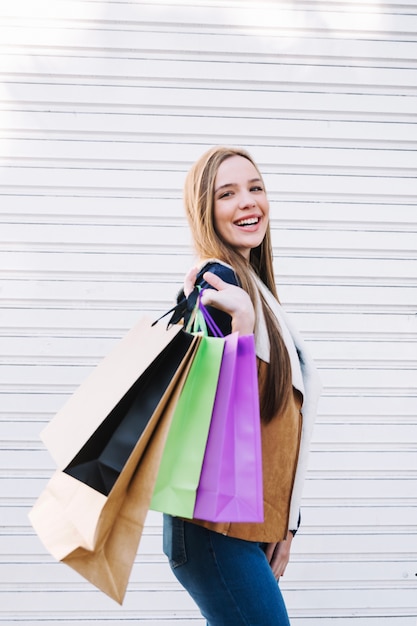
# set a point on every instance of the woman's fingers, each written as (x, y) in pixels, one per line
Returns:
(279, 556)
(269, 551)
(212, 279)
(189, 281)
(215, 281)
(224, 296)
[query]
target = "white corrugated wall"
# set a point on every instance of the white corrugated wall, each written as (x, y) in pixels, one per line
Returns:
(103, 107)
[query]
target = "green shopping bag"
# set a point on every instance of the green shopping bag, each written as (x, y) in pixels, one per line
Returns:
(182, 458)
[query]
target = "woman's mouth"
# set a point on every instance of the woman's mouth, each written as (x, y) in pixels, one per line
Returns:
(249, 221)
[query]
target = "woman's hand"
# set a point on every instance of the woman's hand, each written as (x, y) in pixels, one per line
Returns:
(278, 555)
(189, 281)
(232, 300)
(228, 298)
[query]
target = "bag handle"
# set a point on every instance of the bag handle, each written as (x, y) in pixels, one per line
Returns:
(211, 324)
(201, 320)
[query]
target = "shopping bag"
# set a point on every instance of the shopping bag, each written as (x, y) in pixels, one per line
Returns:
(180, 468)
(109, 565)
(231, 486)
(103, 456)
(108, 383)
(70, 514)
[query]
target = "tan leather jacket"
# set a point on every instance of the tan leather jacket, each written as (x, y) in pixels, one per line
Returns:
(280, 449)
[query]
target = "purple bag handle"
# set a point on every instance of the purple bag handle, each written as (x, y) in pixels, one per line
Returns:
(211, 324)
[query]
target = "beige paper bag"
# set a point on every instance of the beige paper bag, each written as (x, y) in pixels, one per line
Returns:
(95, 398)
(78, 524)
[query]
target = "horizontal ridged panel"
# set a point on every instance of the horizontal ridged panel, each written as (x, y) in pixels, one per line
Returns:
(103, 107)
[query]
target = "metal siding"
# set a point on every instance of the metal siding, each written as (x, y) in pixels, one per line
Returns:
(103, 107)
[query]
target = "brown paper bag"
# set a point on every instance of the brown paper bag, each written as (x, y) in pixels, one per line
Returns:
(108, 567)
(74, 520)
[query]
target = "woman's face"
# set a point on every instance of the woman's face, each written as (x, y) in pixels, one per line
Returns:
(241, 208)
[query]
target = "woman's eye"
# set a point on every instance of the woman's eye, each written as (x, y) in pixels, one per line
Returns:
(257, 188)
(226, 194)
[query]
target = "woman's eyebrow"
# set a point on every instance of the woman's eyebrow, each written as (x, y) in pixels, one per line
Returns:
(252, 180)
(224, 186)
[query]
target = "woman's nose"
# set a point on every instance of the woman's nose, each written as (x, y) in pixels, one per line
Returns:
(246, 200)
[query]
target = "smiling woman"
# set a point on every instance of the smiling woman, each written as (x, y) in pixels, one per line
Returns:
(103, 104)
(231, 569)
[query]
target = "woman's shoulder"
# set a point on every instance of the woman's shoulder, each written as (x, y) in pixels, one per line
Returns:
(221, 269)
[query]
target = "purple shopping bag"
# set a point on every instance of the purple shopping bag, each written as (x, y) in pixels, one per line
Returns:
(231, 487)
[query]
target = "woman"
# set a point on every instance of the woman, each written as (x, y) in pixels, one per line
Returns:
(232, 570)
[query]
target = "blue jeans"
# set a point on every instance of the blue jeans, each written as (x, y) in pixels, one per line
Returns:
(229, 579)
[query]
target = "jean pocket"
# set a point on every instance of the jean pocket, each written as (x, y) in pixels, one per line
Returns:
(174, 541)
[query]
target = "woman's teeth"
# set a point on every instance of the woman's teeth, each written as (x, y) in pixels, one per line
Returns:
(248, 222)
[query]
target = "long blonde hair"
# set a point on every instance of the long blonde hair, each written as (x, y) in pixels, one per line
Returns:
(275, 387)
